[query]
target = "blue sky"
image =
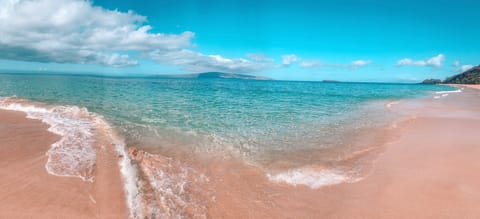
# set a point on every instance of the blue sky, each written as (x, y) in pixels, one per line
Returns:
(349, 40)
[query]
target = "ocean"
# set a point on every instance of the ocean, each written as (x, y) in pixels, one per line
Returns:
(293, 132)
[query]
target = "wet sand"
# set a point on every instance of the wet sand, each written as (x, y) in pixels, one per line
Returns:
(28, 191)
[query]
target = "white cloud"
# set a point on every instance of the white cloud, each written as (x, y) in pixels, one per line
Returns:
(407, 61)
(435, 61)
(360, 63)
(456, 63)
(466, 67)
(117, 60)
(198, 62)
(461, 68)
(310, 63)
(289, 59)
(260, 58)
(75, 31)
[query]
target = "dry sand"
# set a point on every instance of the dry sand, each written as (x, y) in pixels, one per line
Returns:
(474, 86)
(28, 191)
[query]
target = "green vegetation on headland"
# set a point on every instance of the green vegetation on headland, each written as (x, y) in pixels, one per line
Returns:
(471, 76)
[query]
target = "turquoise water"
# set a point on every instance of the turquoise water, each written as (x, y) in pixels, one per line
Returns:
(220, 116)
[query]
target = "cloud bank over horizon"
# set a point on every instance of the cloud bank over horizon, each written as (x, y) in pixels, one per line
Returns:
(76, 32)
(71, 31)
(117, 37)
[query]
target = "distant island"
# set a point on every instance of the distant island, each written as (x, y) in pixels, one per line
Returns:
(432, 81)
(219, 75)
(471, 76)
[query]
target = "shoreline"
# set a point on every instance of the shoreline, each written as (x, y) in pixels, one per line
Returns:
(27, 190)
(473, 86)
(426, 170)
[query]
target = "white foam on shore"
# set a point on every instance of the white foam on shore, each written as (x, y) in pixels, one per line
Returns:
(130, 180)
(128, 171)
(73, 155)
(441, 94)
(311, 178)
(178, 190)
(391, 104)
(448, 92)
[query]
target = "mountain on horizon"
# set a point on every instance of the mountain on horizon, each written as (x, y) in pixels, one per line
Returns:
(219, 75)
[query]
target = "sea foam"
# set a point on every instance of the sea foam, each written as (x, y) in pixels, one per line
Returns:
(450, 91)
(389, 105)
(73, 155)
(441, 94)
(127, 169)
(311, 177)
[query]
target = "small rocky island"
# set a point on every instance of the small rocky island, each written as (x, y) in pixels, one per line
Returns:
(432, 81)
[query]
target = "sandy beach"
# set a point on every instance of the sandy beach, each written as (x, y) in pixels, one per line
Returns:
(428, 169)
(425, 170)
(474, 86)
(28, 191)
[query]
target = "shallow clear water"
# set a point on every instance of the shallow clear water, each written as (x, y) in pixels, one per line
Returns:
(298, 133)
(243, 118)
